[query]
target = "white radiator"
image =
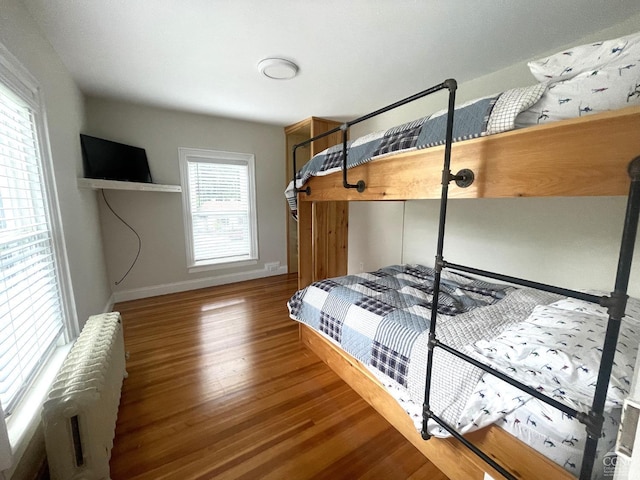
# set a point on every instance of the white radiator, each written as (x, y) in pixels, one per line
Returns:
(79, 415)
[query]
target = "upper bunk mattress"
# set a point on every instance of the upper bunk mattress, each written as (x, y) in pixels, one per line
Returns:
(480, 117)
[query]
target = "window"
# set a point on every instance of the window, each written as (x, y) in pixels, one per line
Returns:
(35, 300)
(219, 207)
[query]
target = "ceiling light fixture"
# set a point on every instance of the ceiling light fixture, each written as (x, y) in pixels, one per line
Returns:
(278, 68)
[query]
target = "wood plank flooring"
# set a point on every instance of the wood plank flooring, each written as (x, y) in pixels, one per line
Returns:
(220, 387)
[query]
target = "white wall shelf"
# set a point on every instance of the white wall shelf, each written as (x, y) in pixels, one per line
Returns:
(97, 184)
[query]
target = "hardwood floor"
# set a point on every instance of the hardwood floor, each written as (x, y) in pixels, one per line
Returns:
(220, 387)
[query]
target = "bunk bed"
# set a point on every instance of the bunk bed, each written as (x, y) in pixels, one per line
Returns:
(591, 155)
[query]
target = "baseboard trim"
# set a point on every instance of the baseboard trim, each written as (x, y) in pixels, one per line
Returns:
(164, 289)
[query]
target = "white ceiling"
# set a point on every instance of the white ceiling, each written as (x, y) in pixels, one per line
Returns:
(354, 55)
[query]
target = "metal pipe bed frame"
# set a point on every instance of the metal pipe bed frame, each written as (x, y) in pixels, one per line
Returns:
(615, 302)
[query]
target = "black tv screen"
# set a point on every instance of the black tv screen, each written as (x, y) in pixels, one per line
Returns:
(110, 160)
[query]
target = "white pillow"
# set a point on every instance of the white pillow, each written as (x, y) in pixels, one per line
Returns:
(569, 63)
(610, 87)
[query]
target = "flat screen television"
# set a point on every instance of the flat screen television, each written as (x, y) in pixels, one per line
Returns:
(105, 159)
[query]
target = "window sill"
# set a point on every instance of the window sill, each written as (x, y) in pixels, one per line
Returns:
(22, 424)
(220, 266)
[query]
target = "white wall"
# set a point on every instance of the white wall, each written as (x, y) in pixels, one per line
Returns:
(580, 240)
(157, 217)
(65, 116)
(377, 244)
(571, 242)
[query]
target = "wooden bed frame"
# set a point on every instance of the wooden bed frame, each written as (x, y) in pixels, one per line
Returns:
(585, 156)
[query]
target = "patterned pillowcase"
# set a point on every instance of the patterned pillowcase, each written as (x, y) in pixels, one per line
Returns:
(510, 104)
(608, 88)
(569, 63)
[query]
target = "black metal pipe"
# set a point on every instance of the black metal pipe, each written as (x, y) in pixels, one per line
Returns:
(473, 448)
(318, 137)
(527, 283)
(446, 84)
(616, 305)
(360, 185)
(582, 417)
(449, 84)
(345, 131)
(295, 186)
(630, 228)
(446, 178)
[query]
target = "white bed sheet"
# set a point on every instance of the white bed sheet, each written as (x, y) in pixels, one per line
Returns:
(560, 437)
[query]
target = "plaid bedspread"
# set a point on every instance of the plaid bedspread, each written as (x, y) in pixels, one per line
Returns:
(382, 319)
(480, 117)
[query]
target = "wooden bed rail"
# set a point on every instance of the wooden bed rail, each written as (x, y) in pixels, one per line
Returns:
(585, 156)
(451, 457)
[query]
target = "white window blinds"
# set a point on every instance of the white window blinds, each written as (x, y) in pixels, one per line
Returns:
(31, 312)
(219, 204)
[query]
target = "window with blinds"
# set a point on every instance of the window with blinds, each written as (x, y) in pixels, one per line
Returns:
(31, 305)
(219, 204)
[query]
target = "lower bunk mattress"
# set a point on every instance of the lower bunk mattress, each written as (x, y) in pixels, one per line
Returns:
(549, 342)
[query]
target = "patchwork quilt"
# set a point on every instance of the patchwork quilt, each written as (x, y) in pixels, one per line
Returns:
(484, 116)
(382, 319)
(548, 342)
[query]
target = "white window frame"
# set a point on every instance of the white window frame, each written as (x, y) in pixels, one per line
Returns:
(17, 429)
(188, 155)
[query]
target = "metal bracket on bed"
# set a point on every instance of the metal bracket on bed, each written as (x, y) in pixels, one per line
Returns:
(464, 178)
(426, 413)
(616, 304)
(593, 423)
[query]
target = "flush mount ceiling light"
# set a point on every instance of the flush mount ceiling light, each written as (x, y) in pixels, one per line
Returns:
(278, 68)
